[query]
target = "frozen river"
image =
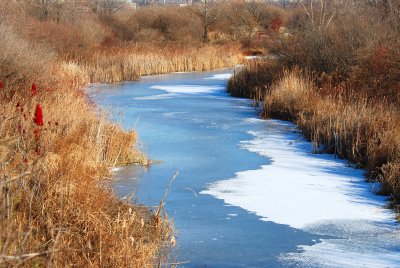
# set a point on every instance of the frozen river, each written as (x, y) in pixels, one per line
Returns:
(249, 192)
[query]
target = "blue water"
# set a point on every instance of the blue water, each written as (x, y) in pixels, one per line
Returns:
(199, 136)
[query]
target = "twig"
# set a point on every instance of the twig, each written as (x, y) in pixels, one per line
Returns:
(17, 177)
(191, 190)
(166, 193)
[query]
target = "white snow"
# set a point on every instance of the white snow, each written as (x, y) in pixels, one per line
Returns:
(189, 89)
(361, 244)
(220, 76)
(299, 188)
(116, 169)
(318, 194)
(252, 57)
(327, 254)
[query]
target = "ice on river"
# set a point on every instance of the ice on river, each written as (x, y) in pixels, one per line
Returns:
(300, 188)
(189, 89)
(316, 193)
(220, 76)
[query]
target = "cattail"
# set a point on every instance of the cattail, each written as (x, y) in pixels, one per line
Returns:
(38, 115)
(1, 84)
(34, 89)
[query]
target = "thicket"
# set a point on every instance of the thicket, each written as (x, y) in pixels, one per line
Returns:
(107, 41)
(336, 73)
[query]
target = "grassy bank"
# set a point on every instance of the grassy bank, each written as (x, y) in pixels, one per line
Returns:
(366, 132)
(129, 63)
(338, 80)
(352, 125)
(55, 154)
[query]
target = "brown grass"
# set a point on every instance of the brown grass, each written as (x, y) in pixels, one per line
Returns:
(253, 79)
(129, 63)
(344, 89)
(56, 206)
(359, 129)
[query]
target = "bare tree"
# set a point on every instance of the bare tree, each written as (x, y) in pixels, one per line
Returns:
(320, 13)
(289, 3)
(208, 13)
(106, 7)
(46, 8)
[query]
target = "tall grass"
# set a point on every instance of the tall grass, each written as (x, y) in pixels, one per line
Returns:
(253, 78)
(362, 130)
(56, 208)
(122, 64)
(343, 90)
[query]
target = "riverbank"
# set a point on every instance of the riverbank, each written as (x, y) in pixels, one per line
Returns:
(341, 89)
(130, 62)
(57, 147)
(363, 130)
(55, 152)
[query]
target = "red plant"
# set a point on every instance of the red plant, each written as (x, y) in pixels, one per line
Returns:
(276, 24)
(34, 89)
(1, 84)
(38, 119)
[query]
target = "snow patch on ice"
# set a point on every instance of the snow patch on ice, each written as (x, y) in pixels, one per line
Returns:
(220, 76)
(189, 89)
(299, 188)
(360, 244)
(116, 169)
(318, 194)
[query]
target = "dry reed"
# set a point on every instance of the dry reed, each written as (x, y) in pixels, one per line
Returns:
(57, 208)
(364, 131)
(131, 63)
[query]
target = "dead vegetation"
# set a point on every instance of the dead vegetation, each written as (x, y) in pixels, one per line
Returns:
(336, 74)
(55, 154)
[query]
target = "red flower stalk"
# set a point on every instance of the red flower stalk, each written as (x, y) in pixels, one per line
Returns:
(37, 132)
(34, 89)
(38, 119)
(1, 84)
